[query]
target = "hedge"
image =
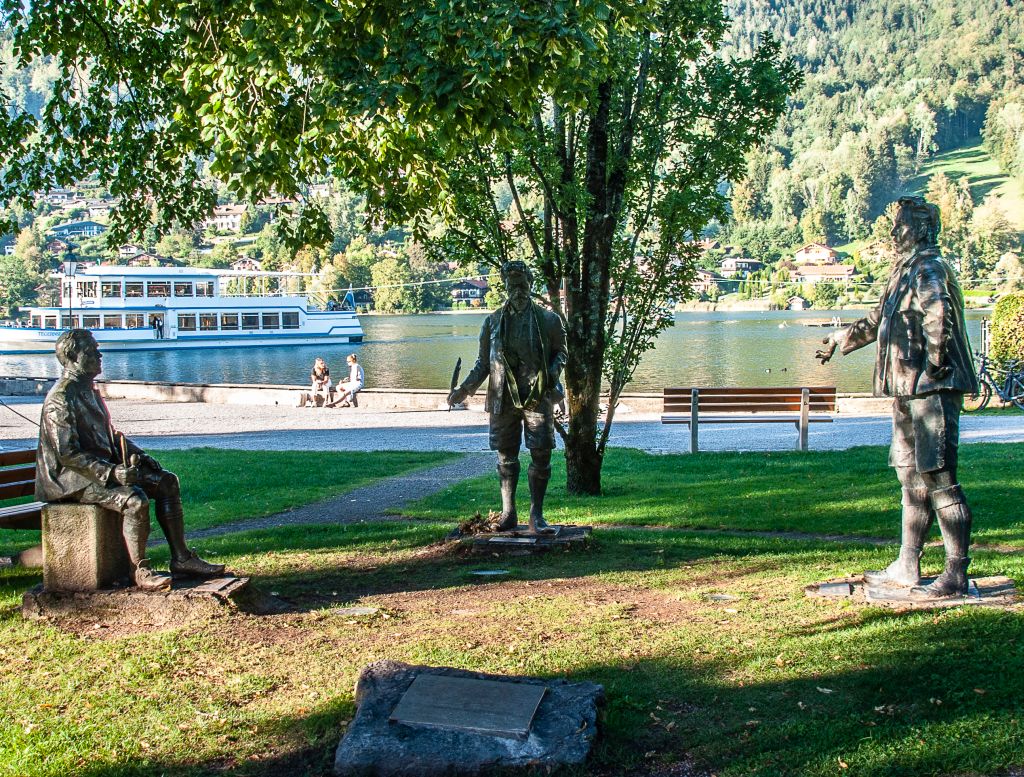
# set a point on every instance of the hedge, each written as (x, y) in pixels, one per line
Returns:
(1008, 329)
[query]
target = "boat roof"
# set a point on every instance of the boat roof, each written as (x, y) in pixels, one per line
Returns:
(178, 272)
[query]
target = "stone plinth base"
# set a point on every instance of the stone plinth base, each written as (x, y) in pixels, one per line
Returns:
(983, 592)
(83, 548)
(186, 601)
(520, 539)
(560, 729)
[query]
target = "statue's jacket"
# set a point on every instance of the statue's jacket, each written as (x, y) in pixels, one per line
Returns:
(491, 364)
(920, 317)
(77, 445)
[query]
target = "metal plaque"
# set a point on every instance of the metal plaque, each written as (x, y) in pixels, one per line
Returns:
(492, 707)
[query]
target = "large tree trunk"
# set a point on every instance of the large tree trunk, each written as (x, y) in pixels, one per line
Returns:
(587, 300)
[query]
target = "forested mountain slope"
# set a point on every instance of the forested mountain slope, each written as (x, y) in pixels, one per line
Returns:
(889, 84)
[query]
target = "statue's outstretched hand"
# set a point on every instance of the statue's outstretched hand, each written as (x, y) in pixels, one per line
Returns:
(149, 462)
(825, 354)
(126, 476)
(457, 396)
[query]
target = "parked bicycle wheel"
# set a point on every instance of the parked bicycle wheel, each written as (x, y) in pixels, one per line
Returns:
(975, 402)
(1017, 392)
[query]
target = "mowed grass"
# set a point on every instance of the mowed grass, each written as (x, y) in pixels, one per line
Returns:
(224, 486)
(851, 492)
(761, 682)
(710, 654)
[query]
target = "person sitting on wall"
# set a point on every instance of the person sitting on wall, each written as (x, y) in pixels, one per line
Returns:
(352, 386)
(321, 389)
(81, 458)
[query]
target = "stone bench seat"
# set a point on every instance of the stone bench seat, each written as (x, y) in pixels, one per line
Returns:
(83, 548)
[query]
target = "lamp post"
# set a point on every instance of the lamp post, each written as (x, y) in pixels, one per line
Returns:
(70, 268)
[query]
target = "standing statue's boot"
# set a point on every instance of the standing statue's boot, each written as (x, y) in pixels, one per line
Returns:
(184, 562)
(538, 478)
(917, 519)
(508, 474)
(955, 522)
(135, 528)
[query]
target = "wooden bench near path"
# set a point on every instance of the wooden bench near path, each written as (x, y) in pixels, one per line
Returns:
(18, 480)
(800, 406)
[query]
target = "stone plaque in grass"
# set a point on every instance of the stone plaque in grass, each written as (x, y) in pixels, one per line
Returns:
(432, 721)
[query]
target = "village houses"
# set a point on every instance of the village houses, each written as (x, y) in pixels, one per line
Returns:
(227, 218)
(815, 253)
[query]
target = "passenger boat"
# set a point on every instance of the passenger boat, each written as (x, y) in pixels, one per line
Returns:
(147, 308)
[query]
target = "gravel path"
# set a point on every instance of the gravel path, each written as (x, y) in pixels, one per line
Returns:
(369, 503)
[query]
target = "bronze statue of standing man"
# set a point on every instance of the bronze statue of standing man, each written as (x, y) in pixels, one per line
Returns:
(924, 363)
(522, 353)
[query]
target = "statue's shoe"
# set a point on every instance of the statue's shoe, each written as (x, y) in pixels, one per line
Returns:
(905, 571)
(193, 566)
(952, 582)
(540, 526)
(148, 580)
(507, 522)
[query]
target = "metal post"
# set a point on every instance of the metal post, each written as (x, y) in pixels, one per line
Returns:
(694, 420)
(805, 408)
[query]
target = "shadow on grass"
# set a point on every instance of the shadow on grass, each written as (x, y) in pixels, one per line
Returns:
(921, 694)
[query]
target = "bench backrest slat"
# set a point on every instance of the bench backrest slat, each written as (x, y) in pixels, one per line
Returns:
(19, 489)
(15, 474)
(10, 458)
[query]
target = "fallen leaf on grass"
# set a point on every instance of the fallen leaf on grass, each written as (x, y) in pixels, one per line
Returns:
(843, 764)
(825, 690)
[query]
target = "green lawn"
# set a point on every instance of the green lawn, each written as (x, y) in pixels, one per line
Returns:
(824, 492)
(223, 486)
(758, 681)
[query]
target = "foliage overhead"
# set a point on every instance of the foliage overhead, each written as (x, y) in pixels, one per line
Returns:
(273, 93)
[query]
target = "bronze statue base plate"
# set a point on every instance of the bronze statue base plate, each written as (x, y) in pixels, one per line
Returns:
(521, 539)
(187, 600)
(995, 591)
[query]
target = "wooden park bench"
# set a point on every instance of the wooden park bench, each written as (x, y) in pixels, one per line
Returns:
(791, 405)
(18, 480)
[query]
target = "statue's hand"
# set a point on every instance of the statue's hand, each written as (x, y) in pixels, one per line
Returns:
(938, 371)
(126, 476)
(457, 396)
(825, 354)
(149, 462)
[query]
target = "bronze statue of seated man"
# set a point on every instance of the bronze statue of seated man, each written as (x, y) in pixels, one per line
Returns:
(83, 459)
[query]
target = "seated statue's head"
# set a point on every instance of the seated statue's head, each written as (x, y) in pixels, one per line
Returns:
(518, 280)
(78, 351)
(916, 223)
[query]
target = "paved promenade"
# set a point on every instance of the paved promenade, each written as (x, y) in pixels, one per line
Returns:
(164, 425)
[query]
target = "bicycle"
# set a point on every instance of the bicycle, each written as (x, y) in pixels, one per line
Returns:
(1011, 390)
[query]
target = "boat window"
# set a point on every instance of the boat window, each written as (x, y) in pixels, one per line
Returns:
(66, 289)
(86, 288)
(111, 322)
(36, 321)
(271, 320)
(133, 289)
(208, 322)
(186, 322)
(111, 289)
(204, 288)
(89, 322)
(135, 321)
(51, 322)
(183, 289)
(289, 320)
(229, 321)
(250, 321)
(158, 289)
(68, 322)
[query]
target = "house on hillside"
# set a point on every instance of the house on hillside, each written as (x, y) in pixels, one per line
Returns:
(61, 196)
(815, 253)
(796, 302)
(78, 229)
(469, 290)
(227, 218)
(706, 281)
(7, 244)
(149, 259)
(129, 250)
(60, 247)
(100, 209)
(876, 251)
(247, 264)
(816, 273)
(742, 266)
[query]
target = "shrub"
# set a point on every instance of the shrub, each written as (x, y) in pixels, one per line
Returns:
(1008, 329)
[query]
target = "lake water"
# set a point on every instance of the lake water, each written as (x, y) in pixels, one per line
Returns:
(704, 349)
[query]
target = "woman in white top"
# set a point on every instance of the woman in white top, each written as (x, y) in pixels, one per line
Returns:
(352, 386)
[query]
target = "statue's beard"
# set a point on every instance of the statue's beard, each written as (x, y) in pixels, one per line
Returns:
(519, 299)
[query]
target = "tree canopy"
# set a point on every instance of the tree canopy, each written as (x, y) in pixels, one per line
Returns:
(272, 93)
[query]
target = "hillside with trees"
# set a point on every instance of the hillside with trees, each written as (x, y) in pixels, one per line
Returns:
(890, 86)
